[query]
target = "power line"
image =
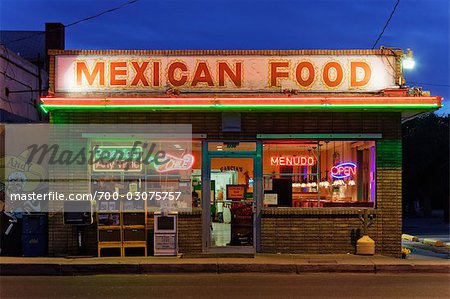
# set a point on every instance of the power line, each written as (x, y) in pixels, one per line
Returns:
(431, 84)
(102, 13)
(385, 25)
(76, 22)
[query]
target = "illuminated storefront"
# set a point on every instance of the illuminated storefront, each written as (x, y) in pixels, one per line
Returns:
(288, 146)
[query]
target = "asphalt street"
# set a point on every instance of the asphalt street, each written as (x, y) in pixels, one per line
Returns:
(229, 286)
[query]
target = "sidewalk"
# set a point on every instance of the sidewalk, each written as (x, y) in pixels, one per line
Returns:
(262, 263)
(427, 238)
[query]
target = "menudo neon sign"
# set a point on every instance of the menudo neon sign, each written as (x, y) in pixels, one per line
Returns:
(292, 160)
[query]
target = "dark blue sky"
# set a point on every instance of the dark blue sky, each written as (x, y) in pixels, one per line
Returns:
(422, 25)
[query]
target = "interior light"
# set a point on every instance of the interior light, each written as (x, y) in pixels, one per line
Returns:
(338, 183)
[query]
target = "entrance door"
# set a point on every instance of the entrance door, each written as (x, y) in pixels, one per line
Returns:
(232, 203)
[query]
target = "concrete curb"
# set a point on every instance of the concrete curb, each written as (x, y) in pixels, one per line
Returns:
(412, 268)
(177, 268)
(433, 242)
(30, 269)
(217, 268)
(410, 238)
(257, 268)
(426, 241)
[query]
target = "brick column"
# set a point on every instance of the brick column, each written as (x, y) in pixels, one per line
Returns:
(389, 197)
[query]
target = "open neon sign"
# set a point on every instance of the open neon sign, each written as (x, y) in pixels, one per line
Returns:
(343, 170)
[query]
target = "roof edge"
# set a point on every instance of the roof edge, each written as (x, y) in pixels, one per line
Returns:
(387, 52)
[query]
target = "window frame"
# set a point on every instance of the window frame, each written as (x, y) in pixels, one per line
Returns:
(290, 138)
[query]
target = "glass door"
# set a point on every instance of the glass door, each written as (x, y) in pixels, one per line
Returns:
(231, 222)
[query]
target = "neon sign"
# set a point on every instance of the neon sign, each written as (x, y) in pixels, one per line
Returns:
(292, 160)
(114, 158)
(343, 170)
(176, 163)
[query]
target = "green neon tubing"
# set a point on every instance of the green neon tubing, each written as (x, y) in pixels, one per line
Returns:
(45, 107)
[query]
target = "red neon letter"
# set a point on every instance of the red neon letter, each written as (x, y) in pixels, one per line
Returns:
(140, 70)
(274, 74)
(99, 69)
(367, 73)
(156, 73)
(171, 73)
(311, 73)
(115, 72)
(235, 77)
(202, 74)
(326, 74)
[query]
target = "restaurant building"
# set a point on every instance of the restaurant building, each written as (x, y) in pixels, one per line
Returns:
(289, 145)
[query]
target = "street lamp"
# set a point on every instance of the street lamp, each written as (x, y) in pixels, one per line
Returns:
(408, 62)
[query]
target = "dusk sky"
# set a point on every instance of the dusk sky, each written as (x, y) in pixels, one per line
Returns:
(422, 25)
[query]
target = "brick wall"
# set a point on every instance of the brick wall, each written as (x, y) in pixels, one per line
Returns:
(252, 123)
(189, 230)
(389, 196)
(301, 231)
(62, 239)
(313, 230)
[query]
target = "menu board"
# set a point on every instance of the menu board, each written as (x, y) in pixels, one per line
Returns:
(235, 192)
(270, 199)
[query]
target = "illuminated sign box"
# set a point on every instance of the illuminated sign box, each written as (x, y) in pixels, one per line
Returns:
(197, 79)
(241, 73)
(235, 192)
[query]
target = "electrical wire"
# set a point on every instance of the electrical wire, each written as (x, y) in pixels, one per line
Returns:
(385, 25)
(102, 13)
(76, 22)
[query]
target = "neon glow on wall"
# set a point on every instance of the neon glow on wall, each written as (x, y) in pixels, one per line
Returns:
(343, 170)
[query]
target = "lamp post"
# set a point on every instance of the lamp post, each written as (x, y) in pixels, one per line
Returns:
(408, 62)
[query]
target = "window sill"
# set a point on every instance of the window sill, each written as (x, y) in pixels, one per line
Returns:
(314, 211)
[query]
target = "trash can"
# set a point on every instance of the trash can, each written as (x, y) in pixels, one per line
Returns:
(34, 235)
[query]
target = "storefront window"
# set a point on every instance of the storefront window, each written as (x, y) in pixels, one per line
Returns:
(196, 177)
(136, 177)
(319, 174)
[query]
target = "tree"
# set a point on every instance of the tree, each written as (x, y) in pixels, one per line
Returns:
(426, 164)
